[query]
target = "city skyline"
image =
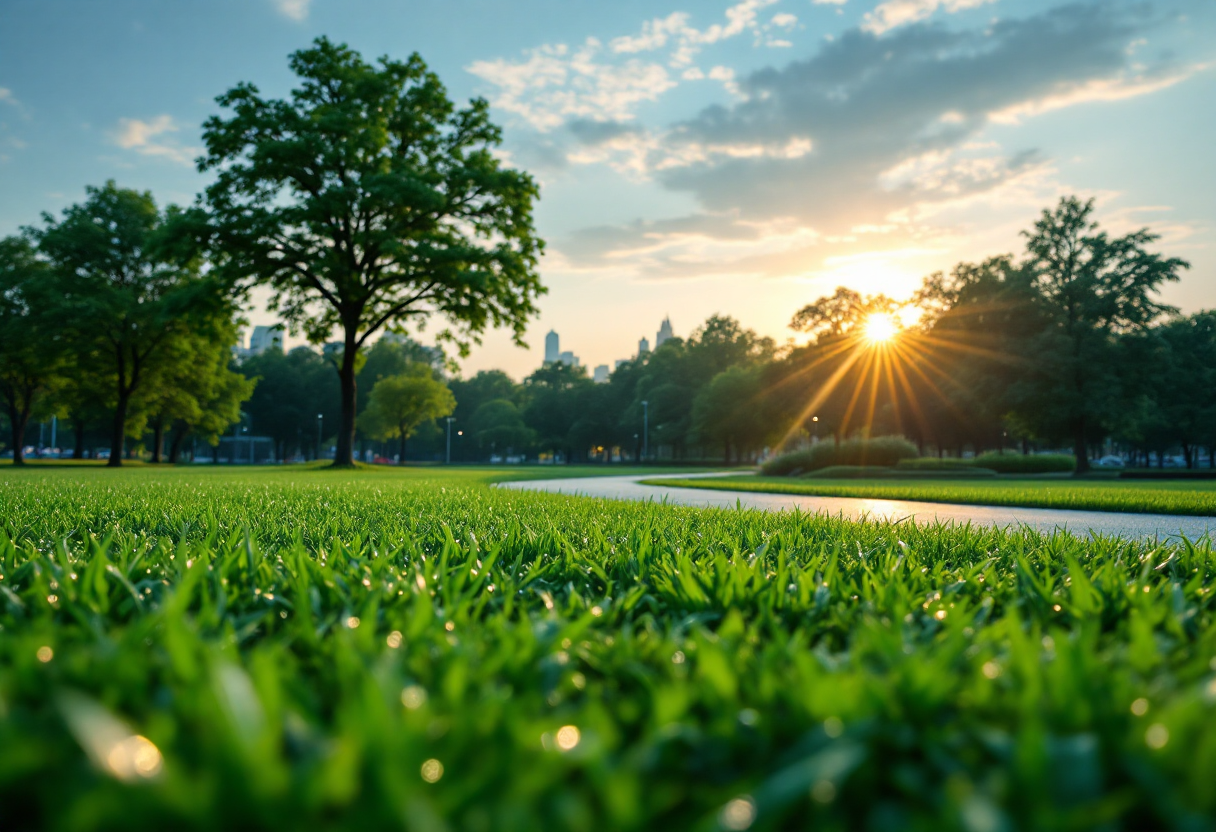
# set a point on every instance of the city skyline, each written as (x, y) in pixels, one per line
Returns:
(744, 157)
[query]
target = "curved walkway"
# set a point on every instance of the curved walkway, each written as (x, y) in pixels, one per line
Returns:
(1107, 523)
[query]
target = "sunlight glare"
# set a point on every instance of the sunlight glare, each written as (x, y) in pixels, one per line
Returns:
(880, 328)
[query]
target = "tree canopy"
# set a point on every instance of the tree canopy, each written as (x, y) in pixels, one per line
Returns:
(368, 199)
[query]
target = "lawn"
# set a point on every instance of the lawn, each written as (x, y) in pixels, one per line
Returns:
(1191, 497)
(312, 649)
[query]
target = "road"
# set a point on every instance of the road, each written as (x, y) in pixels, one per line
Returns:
(1106, 523)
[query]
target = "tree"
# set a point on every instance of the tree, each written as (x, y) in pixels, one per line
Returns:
(125, 298)
(366, 200)
(292, 391)
(551, 396)
(1090, 288)
(32, 358)
(730, 411)
(498, 425)
(400, 403)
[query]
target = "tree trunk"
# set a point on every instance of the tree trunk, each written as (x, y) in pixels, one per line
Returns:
(118, 431)
(344, 455)
(1081, 450)
(1186, 454)
(158, 440)
(17, 421)
(401, 459)
(175, 446)
(78, 438)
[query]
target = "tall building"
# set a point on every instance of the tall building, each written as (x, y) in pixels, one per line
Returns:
(568, 358)
(601, 374)
(664, 333)
(643, 347)
(265, 338)
(553, 349)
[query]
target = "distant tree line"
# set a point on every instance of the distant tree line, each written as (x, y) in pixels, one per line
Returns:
(1067, 346)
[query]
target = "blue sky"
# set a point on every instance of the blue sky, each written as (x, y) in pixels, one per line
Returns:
(695, 157)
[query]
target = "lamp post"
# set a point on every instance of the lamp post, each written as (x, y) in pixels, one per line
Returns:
(645, 429)
(318, 436)
(449, 454)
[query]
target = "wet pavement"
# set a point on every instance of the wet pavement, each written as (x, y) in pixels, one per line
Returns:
(1106, 523)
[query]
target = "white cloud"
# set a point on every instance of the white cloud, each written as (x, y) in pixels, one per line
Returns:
(894, 13)
(828, 2)
(297, 10)
(1097, 89)
(7, 97)
(674, 28)
(142, 137)
(555, 84)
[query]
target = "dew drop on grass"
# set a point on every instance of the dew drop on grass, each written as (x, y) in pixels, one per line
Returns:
(432, 770)
(1140, 707)
(739, 814)
(1157, 736)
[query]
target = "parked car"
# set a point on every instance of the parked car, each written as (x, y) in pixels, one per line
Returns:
(1110, 461)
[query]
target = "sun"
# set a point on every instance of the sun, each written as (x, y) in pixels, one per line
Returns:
(880, 328)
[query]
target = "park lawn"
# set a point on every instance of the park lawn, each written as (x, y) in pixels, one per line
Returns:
(293, 648)
(1190, 497)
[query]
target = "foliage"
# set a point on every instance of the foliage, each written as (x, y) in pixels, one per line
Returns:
(33, 360)
(1005, 463)
(498, 426)
(932, 463)
(880, 451)
(366, 200)
(292, 390)
(400, 404)
(126, 302)
(371, 650)
(1090, 288)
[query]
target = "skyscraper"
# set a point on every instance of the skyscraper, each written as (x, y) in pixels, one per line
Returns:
(643, 347)
(601, 374)
(265, 338)
(664, 333)
(553, 349)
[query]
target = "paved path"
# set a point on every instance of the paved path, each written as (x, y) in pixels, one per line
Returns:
(856, 508)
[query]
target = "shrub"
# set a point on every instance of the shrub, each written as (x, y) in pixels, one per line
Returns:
(881, 451)
(932, 463)
(848, 472)
(1023, 464)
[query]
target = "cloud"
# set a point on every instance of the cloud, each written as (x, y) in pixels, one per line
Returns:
(296, 10)
(555, 84)
(894, 13)
(881, 132)
(7, 97)
(869, 103)
(142, 137)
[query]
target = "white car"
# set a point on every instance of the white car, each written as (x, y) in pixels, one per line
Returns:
(1110, 461)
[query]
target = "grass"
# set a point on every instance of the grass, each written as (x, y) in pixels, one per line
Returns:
(1196, 497)
(270, 648)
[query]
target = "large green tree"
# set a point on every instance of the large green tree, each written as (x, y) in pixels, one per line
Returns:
(1090, 288)
(367, 199)
(125, 298)
(32, 357)
(399, 404)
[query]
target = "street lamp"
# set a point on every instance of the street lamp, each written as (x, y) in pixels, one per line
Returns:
(318, 436)
(449, 457)
(645, 429)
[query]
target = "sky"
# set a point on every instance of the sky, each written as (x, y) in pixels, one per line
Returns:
(695, 158)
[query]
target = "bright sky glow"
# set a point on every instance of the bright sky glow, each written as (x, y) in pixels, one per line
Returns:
(695, 157)
(880, 328)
